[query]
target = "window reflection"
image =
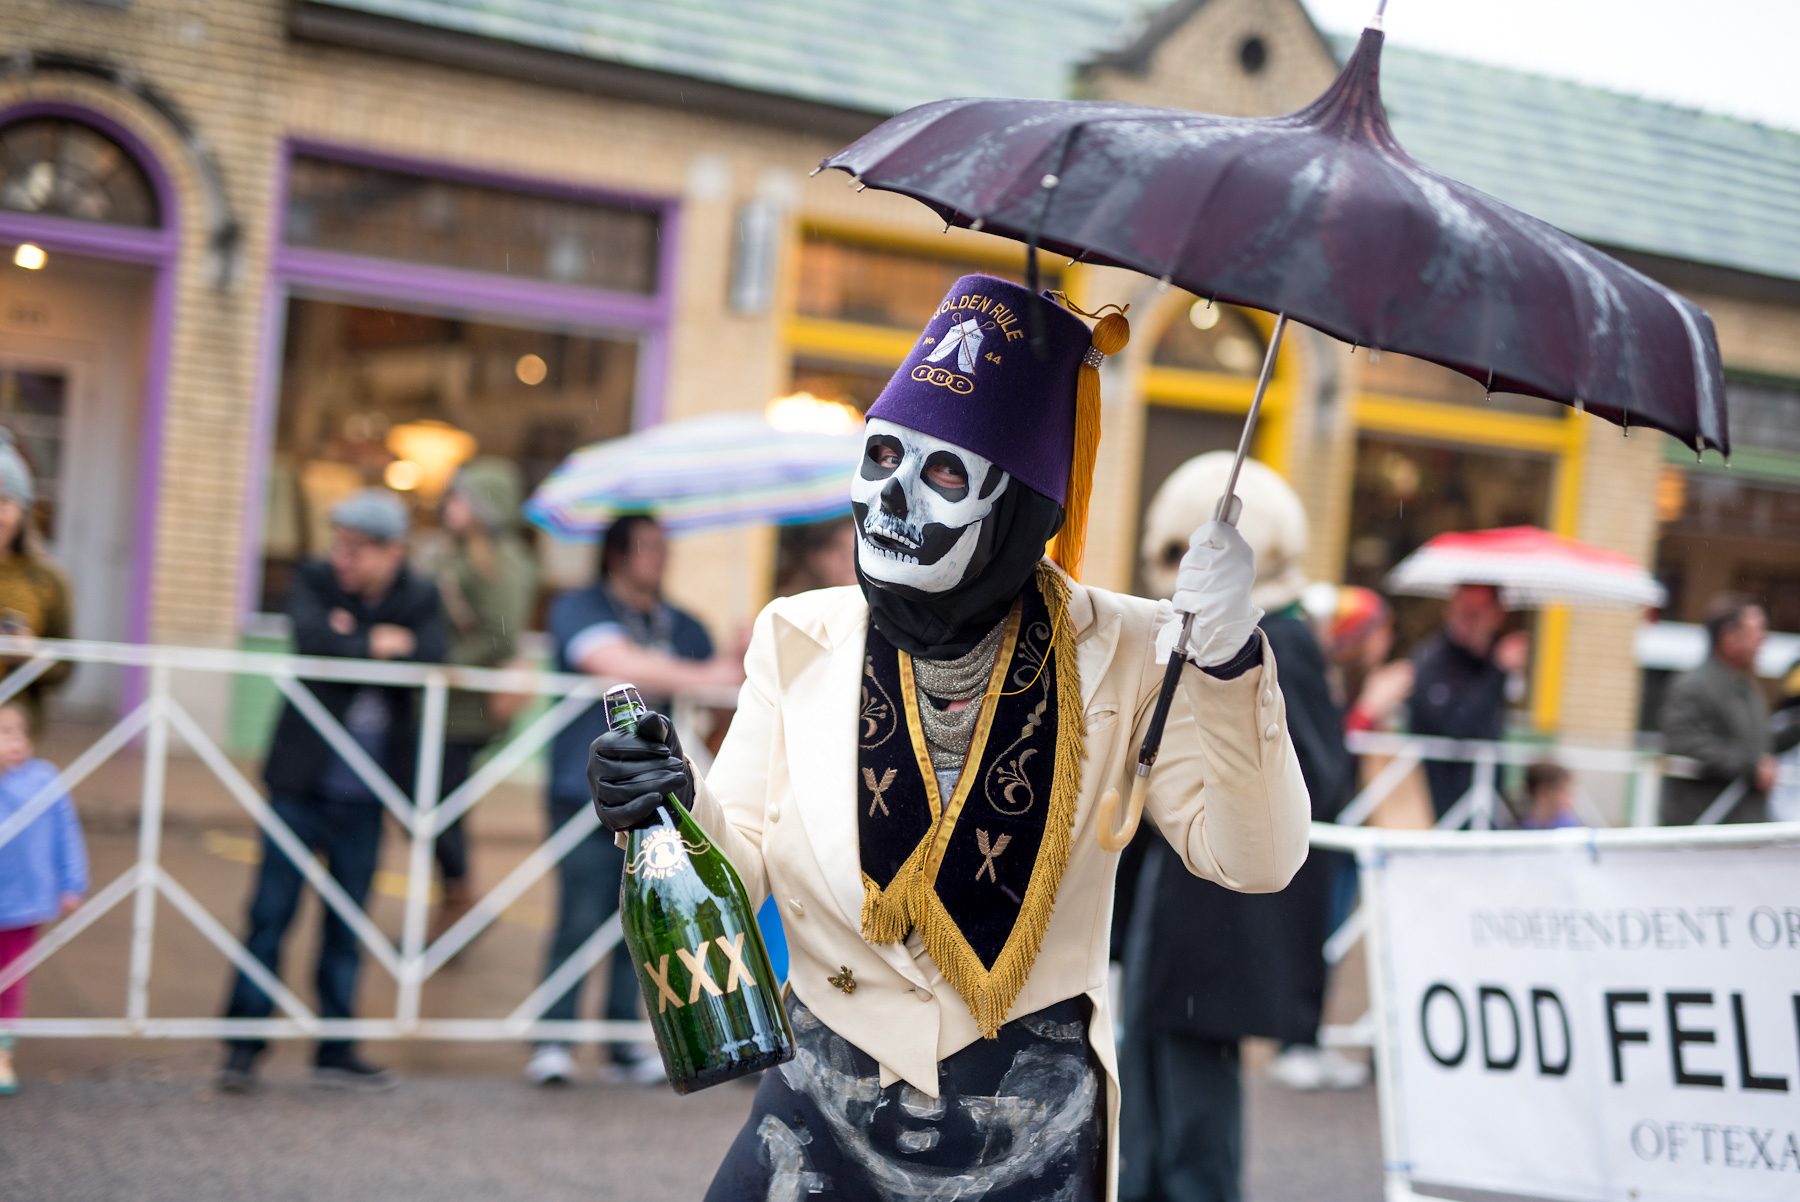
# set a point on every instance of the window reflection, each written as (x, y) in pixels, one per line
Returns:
(366, 389)
(421, 219)
(60, 168)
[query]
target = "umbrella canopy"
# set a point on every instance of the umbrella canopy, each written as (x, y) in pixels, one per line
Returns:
(1321, 216)
(707, 473)
(1531, 567)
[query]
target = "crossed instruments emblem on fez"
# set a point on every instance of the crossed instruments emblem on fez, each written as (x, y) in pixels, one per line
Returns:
(989, 854)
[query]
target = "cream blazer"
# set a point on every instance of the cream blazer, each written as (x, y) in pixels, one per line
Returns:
(781, 802)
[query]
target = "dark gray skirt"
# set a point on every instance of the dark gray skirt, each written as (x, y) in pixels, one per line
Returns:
(1020, 1118)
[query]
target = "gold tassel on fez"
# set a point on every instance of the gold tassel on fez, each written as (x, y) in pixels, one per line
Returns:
(1112, 332)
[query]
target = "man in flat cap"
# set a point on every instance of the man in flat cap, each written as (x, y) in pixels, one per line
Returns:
(360, 603)
(915, 773)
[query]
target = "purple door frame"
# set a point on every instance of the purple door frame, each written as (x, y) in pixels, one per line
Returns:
(159, 248)
(428, 288)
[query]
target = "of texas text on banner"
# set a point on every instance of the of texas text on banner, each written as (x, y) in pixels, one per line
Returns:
(1594, 1023)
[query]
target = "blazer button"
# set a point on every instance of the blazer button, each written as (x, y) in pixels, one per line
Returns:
(773, 813)
(923, 992)
(1272, 731)
(796, 907)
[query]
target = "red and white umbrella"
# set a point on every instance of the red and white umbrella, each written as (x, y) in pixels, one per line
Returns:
(1531, 567)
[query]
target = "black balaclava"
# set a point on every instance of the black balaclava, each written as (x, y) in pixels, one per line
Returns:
(993, 565)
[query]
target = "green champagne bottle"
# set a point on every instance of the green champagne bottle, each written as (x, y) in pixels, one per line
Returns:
(713, 1000)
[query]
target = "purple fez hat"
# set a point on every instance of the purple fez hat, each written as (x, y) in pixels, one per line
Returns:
(973, 379)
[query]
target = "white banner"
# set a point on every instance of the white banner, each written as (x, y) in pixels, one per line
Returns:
(1603, 1023)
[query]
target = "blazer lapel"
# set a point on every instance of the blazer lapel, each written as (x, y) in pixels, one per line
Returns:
(821, 671)
(821, 675)
(1096, 642)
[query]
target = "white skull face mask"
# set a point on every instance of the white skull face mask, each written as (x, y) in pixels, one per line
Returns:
(920, 506)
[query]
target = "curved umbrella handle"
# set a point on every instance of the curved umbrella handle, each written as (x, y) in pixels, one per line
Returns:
(1112, 837)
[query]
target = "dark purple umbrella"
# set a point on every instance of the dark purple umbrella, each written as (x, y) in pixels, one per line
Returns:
(1320, 216)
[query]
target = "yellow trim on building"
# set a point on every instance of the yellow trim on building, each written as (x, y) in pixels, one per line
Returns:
(848, 342)
(1464, 425)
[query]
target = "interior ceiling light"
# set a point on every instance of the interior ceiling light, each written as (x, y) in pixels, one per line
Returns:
(804, 413)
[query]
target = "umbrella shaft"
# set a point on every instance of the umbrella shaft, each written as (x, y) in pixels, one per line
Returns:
(1229, 505)
(1227, 512)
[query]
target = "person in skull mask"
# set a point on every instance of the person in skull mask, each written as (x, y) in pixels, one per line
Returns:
(915, 769)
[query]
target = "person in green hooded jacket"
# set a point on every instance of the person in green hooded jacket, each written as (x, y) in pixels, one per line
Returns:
(487, 586)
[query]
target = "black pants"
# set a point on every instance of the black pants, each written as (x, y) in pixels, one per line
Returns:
(1181, 1119)
(588, 895)
(452, 848)
(348, 835)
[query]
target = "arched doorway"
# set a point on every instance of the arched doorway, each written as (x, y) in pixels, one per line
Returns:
(88, 238)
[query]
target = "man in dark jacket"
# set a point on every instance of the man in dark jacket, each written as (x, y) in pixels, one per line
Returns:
(361, 604)
(1459, 684)
(1716, 714)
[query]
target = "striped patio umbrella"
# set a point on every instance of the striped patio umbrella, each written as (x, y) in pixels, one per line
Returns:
(1531, 567)
(707, 473)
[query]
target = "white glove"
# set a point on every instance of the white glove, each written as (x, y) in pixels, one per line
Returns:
(1213, 584)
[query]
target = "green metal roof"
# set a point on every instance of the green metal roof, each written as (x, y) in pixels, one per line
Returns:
(1606, 167)
(880, 56)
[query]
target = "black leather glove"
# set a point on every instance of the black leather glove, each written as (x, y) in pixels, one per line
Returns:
(629, 774)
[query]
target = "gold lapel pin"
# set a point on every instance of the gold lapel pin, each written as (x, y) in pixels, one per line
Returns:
(844, 981)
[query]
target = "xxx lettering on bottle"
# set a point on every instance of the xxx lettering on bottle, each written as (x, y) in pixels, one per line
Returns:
(738, 973)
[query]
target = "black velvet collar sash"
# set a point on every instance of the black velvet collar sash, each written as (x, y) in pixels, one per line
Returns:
(976, 874)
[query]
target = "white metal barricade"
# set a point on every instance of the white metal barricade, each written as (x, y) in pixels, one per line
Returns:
(422, 816)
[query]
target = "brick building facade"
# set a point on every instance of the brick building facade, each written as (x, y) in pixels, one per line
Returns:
(266, 341)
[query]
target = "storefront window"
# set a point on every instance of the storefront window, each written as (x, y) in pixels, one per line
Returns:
(1729, 533)
(1215, 338)
(1737, 528)
(55, 167)
(419, 218)
(387, 396)
(33, 408)
(846, 280)
(1405, 493)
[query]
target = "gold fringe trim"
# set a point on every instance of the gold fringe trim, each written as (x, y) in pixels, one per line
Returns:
(990, 993)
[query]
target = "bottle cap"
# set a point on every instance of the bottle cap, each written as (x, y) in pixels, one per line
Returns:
(623, 707)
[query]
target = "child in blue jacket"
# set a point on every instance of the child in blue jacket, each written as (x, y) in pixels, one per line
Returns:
(43, 867)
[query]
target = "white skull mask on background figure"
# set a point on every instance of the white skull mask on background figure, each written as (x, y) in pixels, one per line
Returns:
(921, 506)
